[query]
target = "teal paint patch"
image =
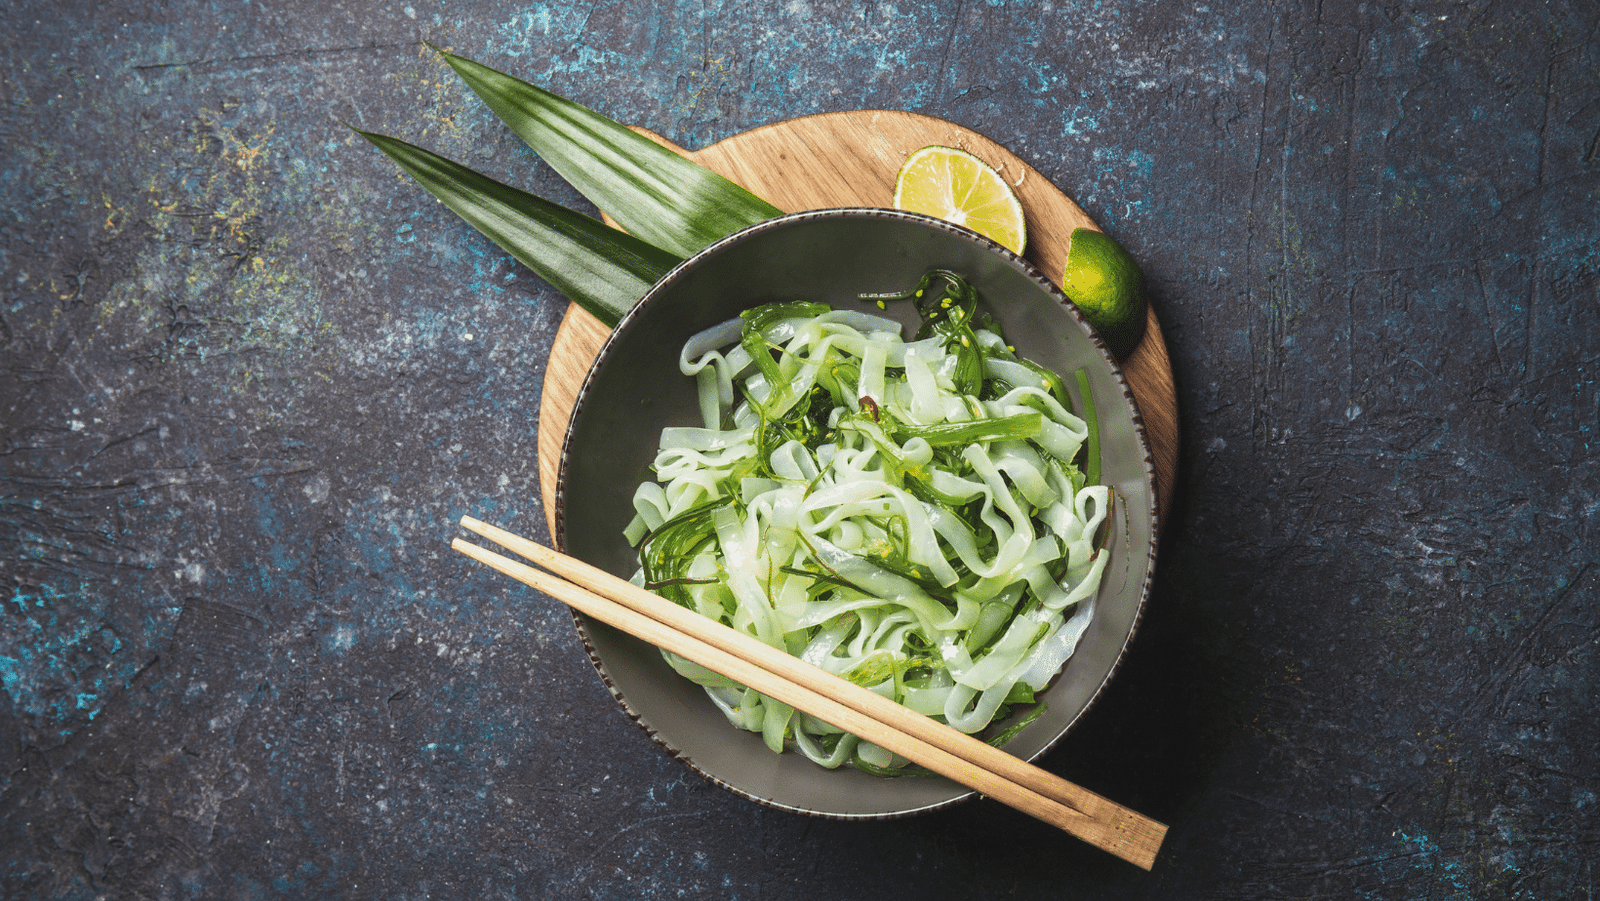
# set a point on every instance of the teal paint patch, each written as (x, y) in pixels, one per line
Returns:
(58, 663)
(341, 639)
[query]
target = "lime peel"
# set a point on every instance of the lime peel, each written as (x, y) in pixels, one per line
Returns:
(1107, 285)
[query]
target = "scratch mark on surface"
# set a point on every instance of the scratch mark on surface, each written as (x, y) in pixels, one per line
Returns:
(601, 846)
(1488, 315)
(949, 42)
(1516, 662)
(250, 61)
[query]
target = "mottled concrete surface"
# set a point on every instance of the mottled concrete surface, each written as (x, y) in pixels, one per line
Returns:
(249, 376)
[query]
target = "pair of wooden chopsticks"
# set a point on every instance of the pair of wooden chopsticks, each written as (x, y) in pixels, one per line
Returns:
(833, 700)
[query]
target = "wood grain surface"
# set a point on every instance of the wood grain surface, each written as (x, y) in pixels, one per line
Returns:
(851, 159)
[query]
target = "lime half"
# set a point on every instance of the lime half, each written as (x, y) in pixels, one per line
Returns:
(956, 186)
(1108, 287)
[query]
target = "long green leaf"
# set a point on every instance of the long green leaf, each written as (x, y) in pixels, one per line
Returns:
(601, 269)
(653, 193)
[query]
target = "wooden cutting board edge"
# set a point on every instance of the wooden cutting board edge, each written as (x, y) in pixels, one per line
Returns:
(797, 164)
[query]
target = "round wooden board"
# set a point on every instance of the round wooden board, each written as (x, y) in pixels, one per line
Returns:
(851, 159)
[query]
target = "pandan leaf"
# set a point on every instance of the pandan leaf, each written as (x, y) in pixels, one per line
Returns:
(653, 193)
(599, 268)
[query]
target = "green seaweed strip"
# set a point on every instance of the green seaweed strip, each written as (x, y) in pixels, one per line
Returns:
(1004, 737)
(1009, 428)
(666, 553)
(999, 740)
(1091, 469)
(599, 268)
(753, 337)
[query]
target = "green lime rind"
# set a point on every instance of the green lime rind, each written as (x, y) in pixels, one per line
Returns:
(1108, 287)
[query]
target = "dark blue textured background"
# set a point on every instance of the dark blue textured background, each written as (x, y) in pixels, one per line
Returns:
(250, 376)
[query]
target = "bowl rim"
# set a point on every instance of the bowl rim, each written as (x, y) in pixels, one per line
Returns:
(1028, 269)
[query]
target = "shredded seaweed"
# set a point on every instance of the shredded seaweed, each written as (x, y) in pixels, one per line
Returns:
(919, 517)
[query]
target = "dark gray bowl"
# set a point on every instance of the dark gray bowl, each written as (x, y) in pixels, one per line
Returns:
(635, 389)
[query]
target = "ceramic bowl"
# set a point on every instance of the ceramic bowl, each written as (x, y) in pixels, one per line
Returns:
(634, 390)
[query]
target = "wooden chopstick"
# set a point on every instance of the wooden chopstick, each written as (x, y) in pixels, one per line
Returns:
(872, 717)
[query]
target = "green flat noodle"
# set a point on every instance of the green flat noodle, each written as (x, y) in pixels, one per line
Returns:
(848, 502)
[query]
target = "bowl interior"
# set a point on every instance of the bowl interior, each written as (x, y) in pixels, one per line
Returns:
(634, 390)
